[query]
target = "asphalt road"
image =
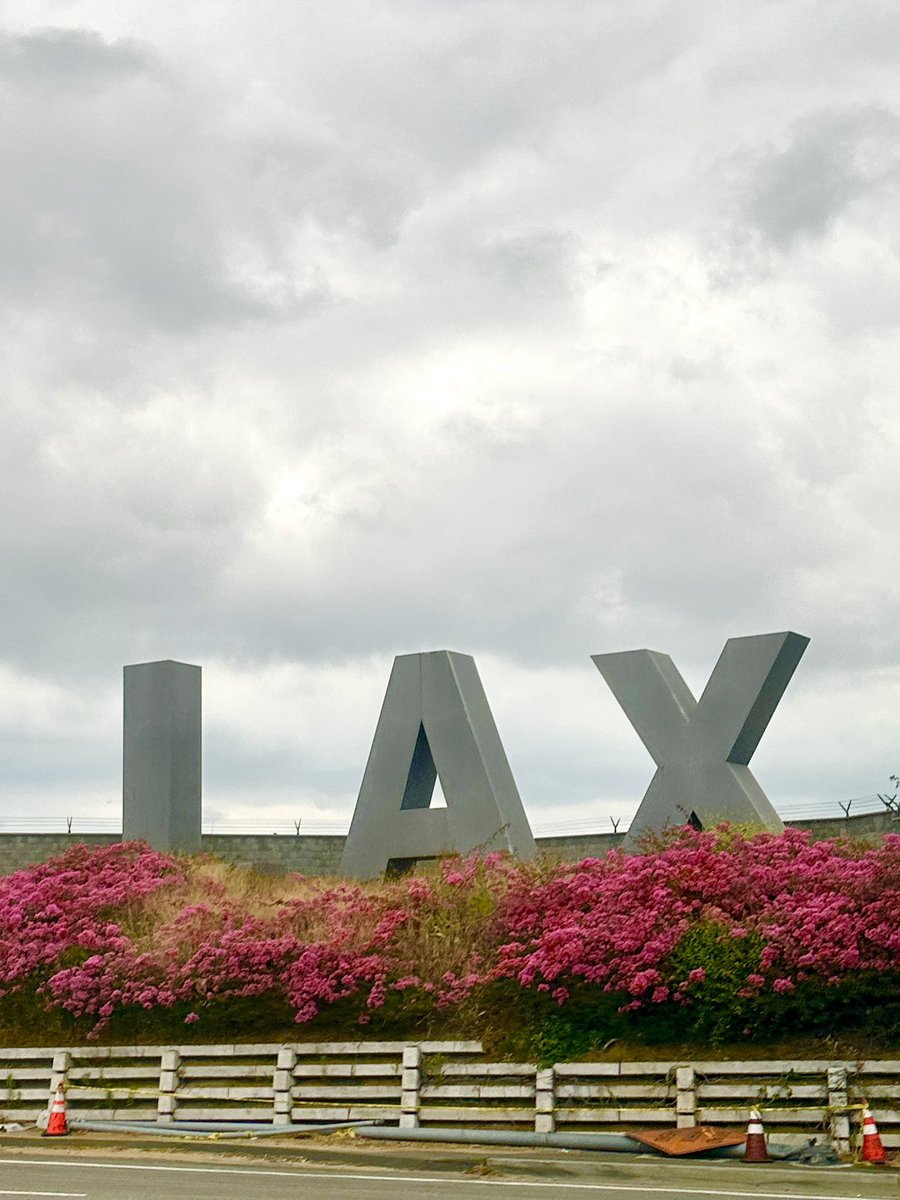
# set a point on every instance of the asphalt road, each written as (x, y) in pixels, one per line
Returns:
(76, 1178)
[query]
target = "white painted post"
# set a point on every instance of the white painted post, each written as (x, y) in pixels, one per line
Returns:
(545, 1100)
(282, 1083)
(62, 1061)
(685, 1098)
(837, 1102)
(169, 1067)
(410, 1083)
(59, 1074)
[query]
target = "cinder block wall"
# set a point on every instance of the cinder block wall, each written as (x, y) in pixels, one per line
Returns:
(320, 854)
(310, 854)
(23, 849)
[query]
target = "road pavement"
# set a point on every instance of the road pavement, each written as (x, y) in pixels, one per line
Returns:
(68, 1175)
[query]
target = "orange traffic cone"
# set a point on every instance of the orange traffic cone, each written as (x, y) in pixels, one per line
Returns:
(56, 1124)
(755, 1150)
(872, 1149)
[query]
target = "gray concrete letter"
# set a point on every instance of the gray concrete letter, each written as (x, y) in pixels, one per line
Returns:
(702, 749)
(435, 721)
(161, 760)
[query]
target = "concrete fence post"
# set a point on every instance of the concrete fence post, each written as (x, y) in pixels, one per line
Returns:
(410, 1085)
(169, 1070)
(685, 1098)
(59, 1074)
(837, 1103)
(282, 1085)
(545, 1100)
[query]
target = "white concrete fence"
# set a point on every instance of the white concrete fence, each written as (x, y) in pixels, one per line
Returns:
(430, 1083)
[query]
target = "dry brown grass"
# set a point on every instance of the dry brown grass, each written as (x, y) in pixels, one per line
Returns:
(222, 887)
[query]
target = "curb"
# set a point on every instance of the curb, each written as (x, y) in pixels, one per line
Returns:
(309, 1151)
(343, 1151)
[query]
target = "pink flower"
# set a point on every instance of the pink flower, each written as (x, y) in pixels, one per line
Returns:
(80, 931)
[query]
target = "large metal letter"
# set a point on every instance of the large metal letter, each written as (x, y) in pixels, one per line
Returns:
(161, 760)
(701, 750)
(435, 721)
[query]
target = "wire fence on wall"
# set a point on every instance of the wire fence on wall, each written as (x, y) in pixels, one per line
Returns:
(888, 803)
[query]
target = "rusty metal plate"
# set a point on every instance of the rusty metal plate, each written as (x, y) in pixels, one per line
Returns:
(688, 1141)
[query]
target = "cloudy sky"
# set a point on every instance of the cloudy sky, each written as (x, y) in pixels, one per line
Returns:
(526, 328)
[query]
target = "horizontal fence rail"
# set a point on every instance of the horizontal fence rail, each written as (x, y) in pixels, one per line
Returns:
(445, 1083)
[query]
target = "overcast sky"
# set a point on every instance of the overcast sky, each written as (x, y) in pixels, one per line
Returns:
(531, 329)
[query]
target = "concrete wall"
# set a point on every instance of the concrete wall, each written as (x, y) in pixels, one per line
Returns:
(315, 854)
(22, 849)
(575, 846)
(308, 854)
(864, 825)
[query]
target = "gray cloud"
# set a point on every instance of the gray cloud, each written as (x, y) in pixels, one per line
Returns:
(69, 60)
(337, 331)
(833, 158)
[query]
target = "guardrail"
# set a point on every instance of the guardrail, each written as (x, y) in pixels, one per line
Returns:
(446, 1083)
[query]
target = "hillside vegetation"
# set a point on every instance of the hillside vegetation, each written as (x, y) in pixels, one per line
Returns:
(706, 938)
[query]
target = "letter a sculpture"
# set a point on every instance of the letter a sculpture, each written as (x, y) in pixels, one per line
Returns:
(701, 749)
(435, 721)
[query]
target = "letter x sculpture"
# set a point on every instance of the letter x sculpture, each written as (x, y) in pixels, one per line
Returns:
(701, 749)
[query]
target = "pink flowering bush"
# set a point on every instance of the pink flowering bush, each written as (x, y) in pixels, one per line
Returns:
(709, 935)
(715, 924)
(67, 907)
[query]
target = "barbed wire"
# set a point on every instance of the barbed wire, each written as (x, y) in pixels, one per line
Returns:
(806, 811)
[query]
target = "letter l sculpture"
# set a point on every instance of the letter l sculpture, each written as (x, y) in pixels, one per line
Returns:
(701, 749)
